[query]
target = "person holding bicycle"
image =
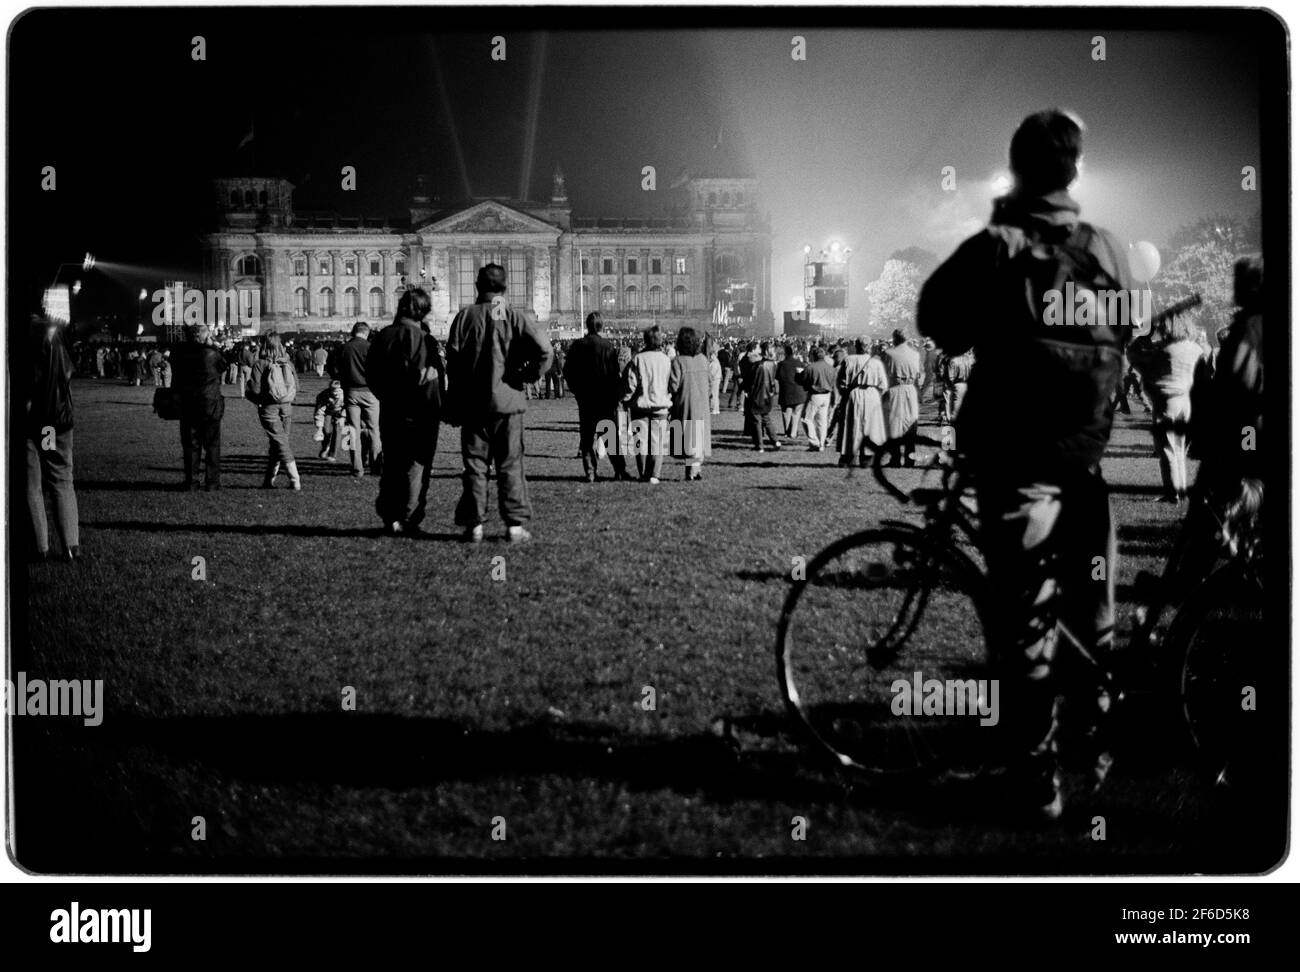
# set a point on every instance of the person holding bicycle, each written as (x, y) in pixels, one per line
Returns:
(1032, 429)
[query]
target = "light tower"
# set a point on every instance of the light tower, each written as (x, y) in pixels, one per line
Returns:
(826, 288)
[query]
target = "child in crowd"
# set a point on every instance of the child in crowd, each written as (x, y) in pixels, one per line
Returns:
(329, 405)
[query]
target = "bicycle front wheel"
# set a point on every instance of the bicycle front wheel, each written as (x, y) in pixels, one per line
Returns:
(881, 655)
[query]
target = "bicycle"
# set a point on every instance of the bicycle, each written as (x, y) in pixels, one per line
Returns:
(877, 610)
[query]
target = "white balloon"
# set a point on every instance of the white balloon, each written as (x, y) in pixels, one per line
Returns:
(1143, 260)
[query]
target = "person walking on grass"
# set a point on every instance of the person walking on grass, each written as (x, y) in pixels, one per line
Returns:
(49, 440)
(902, 405)
(493, 351)
(793, 397)
(592, 373)
(862, 380)
(761, 391)
(405, 371)
(818, 381)
(648, 400)
(198, 372)
(272, 387)
(689, 387)
(348, 365)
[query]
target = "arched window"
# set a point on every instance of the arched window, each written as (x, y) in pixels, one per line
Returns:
(397, 296)
(632, 299)
(351, 302)
(248, 197)
(679, 300)
(656, 298)
(376, 302)
(713, 199)
(249, 266)
(261, 198)
(726, 199)
(234, 197)
(608, 302)
(300, 302)
(325, 305)
(740, 199)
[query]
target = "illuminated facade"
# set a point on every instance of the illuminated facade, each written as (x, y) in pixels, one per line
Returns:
(322, 273)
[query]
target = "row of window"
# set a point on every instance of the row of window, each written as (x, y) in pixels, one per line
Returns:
(324, 267)
(247, 198)
(728, 199)
(325, 304)
(251, 266)
(325, 307)
(633, 266)
(632, 299)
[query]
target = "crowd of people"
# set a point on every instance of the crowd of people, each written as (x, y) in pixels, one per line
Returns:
(1033, 410)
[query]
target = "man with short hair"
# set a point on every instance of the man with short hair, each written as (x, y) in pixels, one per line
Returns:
(349, 367)
(592, 373)
(1044, 507)
(197, 370)
(493, 350)
(648, 400)
(793, 397)
(818, 380)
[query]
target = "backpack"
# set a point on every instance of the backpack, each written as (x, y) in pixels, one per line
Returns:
(1067, 261)
(279, 383)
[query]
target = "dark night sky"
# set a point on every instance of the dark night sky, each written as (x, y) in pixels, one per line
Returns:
(847, 145)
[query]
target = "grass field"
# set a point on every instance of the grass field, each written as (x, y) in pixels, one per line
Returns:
(477, 698)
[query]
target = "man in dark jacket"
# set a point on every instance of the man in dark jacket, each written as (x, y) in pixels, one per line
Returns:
(49, 440)
(348, 366)
(1037, 469)
(792, 398)
(492, 351)
(196, 380)
(404, 370)
(592, 373)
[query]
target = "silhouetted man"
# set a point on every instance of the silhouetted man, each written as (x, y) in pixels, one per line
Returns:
(492, 351)
(196, 380)
(592, 374)
(349, 367)
(1044, 507)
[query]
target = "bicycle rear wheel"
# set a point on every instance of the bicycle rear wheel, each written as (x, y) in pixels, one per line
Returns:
(880, 618)
(1231, 682)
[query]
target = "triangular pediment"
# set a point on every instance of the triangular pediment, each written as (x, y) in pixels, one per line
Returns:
(489, 216)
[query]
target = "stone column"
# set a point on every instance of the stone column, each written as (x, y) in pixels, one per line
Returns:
(310, 257)
(620, 255)
(670, 306)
